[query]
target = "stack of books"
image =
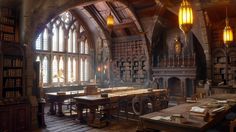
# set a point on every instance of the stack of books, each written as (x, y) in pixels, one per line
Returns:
(199, 113)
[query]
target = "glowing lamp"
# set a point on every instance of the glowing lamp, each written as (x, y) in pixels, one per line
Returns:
(185, 16)
(228, 33)
(110, 21)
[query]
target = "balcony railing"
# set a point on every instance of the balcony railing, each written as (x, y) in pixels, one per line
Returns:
(177, 61)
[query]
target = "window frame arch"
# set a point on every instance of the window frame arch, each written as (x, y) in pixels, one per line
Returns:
(53, 29)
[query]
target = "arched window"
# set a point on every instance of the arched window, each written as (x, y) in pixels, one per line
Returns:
(54, 38)
(45, 39)
(86, 48)
(60, 65)
(38, 43)
(74, 41)
(45, 69)
(61, 39)
(82, 47)
(86, 74)
(37, 59)
(55, 69)
(69, 70)
(74, 70)
(70, 41)
(61, 70)
(81, 69)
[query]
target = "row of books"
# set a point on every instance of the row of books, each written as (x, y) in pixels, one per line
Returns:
(6, 28)
(12, 73)
(12, 62)
(12, 83)
(6, 12)
(10, 94)
(8, 21)
(7, 36)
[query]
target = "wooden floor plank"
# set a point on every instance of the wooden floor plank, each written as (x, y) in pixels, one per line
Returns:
(69, 124)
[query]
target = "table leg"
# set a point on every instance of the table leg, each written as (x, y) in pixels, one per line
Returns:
(80, 108)
(60, 113)
(52, 109)
(91, 115)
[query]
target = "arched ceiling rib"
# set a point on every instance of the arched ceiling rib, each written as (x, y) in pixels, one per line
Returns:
(126, 23)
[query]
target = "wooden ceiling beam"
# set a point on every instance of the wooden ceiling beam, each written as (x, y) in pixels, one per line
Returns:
(91, 9)
(134, 16)
(124, 25)
(113, 10)
(141, 2)
(147, 12)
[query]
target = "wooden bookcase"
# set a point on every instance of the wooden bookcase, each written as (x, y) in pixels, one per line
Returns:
(14, 104)
(12, 76)
(8, 25)
(219, 65)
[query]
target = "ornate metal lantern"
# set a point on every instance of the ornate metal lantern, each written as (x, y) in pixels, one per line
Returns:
(185, 16)
(110, 21)
(228, 32)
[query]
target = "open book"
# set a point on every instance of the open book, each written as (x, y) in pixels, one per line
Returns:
(197, 109)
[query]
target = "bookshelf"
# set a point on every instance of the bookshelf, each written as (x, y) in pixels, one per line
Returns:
(12, 70)
(14, 104)
(219, 65)
(8, 28)
(12, 76)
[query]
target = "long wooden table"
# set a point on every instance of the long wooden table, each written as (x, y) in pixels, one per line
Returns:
(188, 123)
(57, 98)
(93, 101)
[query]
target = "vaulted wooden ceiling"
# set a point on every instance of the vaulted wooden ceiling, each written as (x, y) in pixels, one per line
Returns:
(129, 13)
(124, 22)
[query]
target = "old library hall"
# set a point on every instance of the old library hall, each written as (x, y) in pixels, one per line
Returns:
(117, 66)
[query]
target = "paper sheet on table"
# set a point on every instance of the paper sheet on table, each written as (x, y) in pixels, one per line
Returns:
(222, 101)
(161, 118)
(218, 109)
(197, 109)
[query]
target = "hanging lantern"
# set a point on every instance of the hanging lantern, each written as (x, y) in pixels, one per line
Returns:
(228, 32)
(185, 16)
(110, 21)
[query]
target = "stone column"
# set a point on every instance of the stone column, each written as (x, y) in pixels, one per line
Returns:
(200, 31)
